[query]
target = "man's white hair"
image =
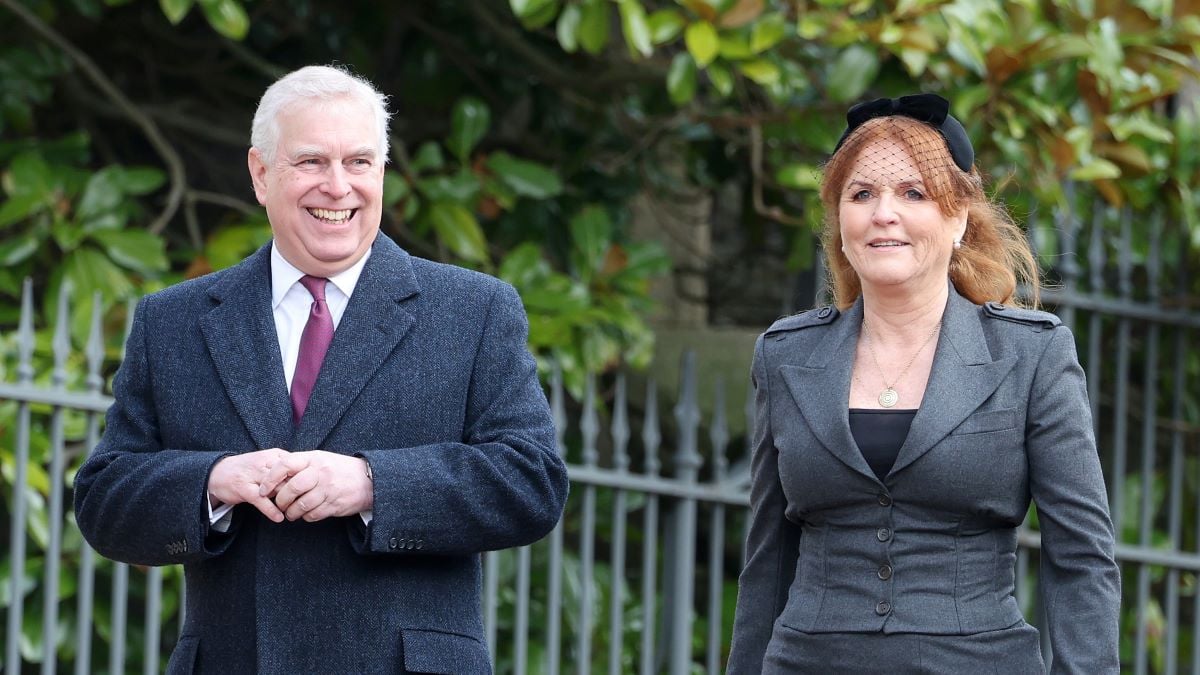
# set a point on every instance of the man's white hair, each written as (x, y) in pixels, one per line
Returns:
(319, 83)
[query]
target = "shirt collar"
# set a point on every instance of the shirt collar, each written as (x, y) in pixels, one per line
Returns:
(284, 275)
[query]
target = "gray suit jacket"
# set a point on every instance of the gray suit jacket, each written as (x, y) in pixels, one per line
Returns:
(428, 378)
(1005, 418)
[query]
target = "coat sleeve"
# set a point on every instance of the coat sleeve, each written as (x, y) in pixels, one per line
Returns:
(772, 542)
(136, 501)
(503, 485)
(1079, 578)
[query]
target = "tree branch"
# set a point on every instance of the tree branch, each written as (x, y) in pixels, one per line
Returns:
(174, 164)
(246, 208)
(756, 167)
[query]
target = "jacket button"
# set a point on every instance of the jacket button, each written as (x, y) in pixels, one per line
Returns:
(885, 500)
(883, 607)
(885, 572)
(393, 543)
(883, 534)
(420, 544)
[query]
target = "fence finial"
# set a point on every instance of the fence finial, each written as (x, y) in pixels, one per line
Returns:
(25, 339)
(61, 342)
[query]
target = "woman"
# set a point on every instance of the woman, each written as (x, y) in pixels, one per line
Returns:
(901, 435)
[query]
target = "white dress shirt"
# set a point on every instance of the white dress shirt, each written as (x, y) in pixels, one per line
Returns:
(290, 306)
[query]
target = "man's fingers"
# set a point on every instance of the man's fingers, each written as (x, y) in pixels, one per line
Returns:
(279, 472)
(268, 509)
(305, 504)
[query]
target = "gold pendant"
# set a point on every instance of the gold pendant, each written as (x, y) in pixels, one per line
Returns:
(888, 397)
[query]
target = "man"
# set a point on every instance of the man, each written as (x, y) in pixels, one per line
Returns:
(411, 379)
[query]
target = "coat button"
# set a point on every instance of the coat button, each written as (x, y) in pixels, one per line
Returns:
(883, 534)
(883, 607)
(420, 544)
(393, 543)
(885, 572)
(884, 499)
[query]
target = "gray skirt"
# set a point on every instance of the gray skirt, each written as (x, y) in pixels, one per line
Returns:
(1010, 651)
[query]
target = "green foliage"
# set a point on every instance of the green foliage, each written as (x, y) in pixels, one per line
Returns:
(524, 131)
(57, 217)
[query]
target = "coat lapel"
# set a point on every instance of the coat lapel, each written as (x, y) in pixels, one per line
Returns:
(374, 323)
(821, 389)
(962, 378)
(240, 336)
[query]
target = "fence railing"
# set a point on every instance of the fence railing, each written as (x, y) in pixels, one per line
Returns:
(641, 575)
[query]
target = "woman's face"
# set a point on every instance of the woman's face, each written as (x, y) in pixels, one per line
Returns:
(893, 232)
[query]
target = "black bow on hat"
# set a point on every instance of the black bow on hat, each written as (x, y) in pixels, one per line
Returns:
(928, 108)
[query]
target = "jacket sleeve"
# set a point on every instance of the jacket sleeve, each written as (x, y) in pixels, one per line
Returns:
(136, 501)
(772, 541)
(503, 485)
(1079, 579)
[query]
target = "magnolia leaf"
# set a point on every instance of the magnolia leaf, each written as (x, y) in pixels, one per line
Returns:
(720, 77)
(460, 187)
(761, 71)
(534, 13)
(1096, 169)
(665, 25)
(799, 176)
(526, 178)
(468, 123)
(591, 234)
(459, 231)
(735, 47)
(636, 28)
(524, 266)
(593, 25)
(175, 10)
(681, 79)
(88, 270)
(767, 33)
(702, 42)
(136, 250)
(853, 71)
(227, 17)
(395, 188)
(736, 13)
(139, 180)
(14, 250)
(429, 156)
(102, 194)
(18, 208)
(567, 28)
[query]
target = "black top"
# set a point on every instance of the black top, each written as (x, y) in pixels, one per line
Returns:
(879, 435)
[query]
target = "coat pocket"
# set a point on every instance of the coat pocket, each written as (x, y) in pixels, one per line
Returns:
(428, 651)
(987, 421)
(183, 657)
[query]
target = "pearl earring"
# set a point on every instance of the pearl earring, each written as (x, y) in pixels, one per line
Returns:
(957, 244)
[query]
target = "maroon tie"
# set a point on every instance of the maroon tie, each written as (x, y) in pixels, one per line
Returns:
(314, 342)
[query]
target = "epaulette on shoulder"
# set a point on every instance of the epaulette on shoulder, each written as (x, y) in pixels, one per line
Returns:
(1030, 317)
(813, 317)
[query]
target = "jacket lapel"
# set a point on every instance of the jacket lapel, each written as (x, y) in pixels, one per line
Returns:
(240, 336)
(821, 389)
(374, 323)
(962, 378)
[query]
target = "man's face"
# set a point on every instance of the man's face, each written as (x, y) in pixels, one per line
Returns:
(324, 188)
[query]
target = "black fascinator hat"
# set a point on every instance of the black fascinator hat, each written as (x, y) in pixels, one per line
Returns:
(928, 108)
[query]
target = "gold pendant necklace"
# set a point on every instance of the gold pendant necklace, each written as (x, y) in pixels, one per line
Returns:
(889, 397)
